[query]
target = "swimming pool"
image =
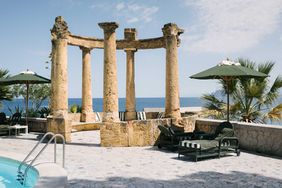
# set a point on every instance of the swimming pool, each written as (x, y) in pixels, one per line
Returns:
(8, 174)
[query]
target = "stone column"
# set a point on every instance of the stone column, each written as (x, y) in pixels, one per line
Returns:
(110, 102)
(172, 103)
(59, 122)
(87, 108)
(130, 108)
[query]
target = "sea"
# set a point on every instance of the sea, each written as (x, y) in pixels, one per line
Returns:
(141, 103)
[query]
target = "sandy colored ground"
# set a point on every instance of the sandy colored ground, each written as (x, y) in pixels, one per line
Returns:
(90, 165)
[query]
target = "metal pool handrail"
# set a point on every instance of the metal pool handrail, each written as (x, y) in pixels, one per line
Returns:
(33, 149)
(22, 176)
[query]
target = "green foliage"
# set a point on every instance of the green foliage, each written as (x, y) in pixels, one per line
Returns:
(37, 94)
(252, 98)
(17, 109)
(5, 92)
(44, 112)
(75, 108)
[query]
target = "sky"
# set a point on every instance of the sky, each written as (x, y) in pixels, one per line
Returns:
(214, 30)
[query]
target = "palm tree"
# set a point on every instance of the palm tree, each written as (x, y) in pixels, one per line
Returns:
(253, 99)
(5, 93)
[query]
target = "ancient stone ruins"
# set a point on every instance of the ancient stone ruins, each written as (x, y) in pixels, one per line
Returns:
(61, 37)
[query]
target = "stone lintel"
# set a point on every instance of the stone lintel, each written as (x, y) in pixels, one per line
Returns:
(108, 26)
(130, 34)
(88, 42)
(171, 29)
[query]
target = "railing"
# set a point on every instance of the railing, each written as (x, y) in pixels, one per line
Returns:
(23, 174)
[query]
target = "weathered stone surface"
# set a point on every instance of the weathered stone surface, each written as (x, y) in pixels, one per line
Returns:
(130, 86)
(172, 103)
(110, 103)
(76, 117)
(89, 42)
(252, 137)
(59, 78)
(60, 125)
(130, 34)
(136, 133)
(113, 134)
(60, 29)
(58, 122)
(87, 108)
(85, 126)
(37, 125)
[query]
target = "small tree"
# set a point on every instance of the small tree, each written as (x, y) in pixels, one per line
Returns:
(37, 94)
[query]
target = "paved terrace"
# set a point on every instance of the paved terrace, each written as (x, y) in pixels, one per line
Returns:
(90, 165)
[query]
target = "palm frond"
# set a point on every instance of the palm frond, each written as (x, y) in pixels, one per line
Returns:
(266, 68)
(274, 115)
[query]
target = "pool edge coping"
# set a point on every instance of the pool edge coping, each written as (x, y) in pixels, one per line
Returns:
(50, 174)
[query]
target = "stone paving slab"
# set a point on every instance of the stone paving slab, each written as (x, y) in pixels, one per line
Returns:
(90, 165)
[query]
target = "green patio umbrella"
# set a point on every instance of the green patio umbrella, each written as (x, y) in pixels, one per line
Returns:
(227, 71)
(25, 77)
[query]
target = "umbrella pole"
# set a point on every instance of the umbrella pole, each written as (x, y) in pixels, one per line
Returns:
(26, 100)
(227, 82)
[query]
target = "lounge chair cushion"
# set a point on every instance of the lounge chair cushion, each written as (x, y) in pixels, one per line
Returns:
(97, 117)
(121, 116)
(141, 115)
(225, 132)
(199, 144)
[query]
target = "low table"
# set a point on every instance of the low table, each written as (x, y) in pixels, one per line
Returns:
(17, 127)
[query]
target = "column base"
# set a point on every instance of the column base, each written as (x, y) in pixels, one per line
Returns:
(130, 116)
(110, 117)
(173, 114)
(60, 125)
(87, 117)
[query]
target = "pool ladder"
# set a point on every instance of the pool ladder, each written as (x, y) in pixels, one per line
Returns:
(22, 173)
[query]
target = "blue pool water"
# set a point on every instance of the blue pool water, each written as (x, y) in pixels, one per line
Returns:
(8, 174)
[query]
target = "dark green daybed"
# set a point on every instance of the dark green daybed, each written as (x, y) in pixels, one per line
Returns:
(218, 144)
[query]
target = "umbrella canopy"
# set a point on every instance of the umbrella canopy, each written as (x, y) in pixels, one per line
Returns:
(25, 77)
(228, 70)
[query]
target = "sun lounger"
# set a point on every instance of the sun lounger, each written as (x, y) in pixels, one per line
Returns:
(170, 139)
(141, 115)
(218, 144)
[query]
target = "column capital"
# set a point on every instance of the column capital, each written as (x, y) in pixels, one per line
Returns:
(171, 29)
(130, 49)
(60, 29)
(85, 49)
(130, 34)
(108, 26)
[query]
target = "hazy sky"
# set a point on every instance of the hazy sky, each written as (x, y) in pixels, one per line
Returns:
(214, 30)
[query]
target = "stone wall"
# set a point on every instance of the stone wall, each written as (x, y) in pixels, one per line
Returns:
(137, 133)
(85, 127)
(260, 138)
(37, 125)
(76, 117)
